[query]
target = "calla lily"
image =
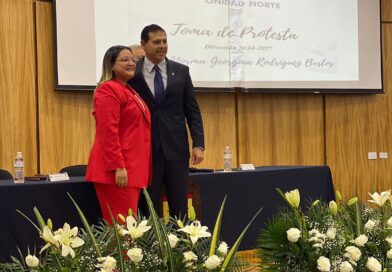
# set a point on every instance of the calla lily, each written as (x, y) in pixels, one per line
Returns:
(380, 199)
(69, 240)
(196, 231)
(32, 261)
(338, 196)
(173, 240)
(333, 207)
(191, 213)
(352, 201)
(134, 229)
(293, 198)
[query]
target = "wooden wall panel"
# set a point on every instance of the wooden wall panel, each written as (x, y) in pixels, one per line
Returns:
(281, 129)
(17, 85)
(219, 120)
(386, 10)
(66, 125)
(356, 125)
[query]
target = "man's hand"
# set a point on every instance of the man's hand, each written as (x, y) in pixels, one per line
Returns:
(197, 155)
(121, 177)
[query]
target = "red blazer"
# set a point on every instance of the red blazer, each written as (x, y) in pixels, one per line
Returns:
(123, 136)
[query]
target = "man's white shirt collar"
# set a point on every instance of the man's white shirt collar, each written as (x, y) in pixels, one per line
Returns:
(149, 66)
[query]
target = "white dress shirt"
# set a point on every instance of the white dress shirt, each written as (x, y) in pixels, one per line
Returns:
(149, 73)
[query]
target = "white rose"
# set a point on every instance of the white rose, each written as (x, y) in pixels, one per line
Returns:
(212, 262)
(106, 263)
(353, 253)
(389, 254)
(223, 248)
(32, 261)
(135, 254)
(373, 265)
(389, 240)
(370, 225)
(346, 267)
(389, 222)
(189, 256)
(293, 235)
(331, 233)
(323, 264)
(173, 239)
(361, 240)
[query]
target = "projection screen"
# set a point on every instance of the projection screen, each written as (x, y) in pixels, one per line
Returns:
(269, 46)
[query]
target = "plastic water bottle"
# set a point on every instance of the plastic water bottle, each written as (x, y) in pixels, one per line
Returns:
(19, 168)
(227, 159)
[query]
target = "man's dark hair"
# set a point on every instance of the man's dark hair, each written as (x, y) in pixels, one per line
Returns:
(148, 29)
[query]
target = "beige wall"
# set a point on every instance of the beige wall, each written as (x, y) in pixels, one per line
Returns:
(55, 129)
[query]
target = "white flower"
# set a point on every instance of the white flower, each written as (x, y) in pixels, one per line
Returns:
(121, 230)
(32, 261)
(331, 233)
(223, 248)
(135, 254)
(189, 256)
(370, 224)
(134, 229)
(345, 267)
(49, 238)
(389, 222)
(173, 239)
(68, 239)
(107, 264)
(361, 240)
(353, 253)
(389, 240)
(389, 254)
(373, 265)
(380, 199)
(196, 231)
(318, 245)
(323, 264)
(314, 232)
(293, 235)
(212, 262)
(293, 198)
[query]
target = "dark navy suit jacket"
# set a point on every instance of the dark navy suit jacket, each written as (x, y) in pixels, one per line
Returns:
(169, 116)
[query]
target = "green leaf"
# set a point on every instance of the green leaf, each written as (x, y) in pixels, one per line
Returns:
(160, 233)
(218, 223)
(86, 225)
(28, 219)
(119, 247)
(39, 217)
(230, 256)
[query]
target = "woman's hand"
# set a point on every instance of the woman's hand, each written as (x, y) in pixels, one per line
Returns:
(121, 177)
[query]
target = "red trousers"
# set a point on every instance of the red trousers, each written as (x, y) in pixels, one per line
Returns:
(119, 200)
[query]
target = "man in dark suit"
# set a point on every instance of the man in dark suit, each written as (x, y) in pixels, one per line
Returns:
(166, 87)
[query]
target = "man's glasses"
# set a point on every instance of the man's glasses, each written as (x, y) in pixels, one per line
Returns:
(127, 60)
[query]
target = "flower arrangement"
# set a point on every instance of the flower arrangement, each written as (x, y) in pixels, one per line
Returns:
(341, 236)
(131, 244)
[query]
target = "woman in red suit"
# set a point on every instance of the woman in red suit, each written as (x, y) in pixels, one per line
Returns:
(120, 159)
